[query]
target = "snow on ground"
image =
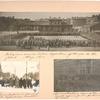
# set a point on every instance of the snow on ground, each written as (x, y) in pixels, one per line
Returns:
(10, 89)
(9, 92)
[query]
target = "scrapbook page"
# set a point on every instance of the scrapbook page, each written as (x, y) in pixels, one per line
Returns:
(49, 50)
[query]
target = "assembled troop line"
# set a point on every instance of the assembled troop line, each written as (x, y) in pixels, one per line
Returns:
(23, 82)
(29, 42)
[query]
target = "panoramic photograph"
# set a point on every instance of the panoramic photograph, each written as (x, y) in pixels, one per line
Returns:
(49, 31)
(19, 79)
(76, 75)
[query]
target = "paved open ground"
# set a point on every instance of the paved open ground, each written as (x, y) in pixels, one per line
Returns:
(15, 48)
(9, 92)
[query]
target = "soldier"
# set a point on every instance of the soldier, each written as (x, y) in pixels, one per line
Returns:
(24, 83)
(20, 82)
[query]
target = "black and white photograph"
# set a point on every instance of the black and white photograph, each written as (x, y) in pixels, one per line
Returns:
(76, 75)
(49, 31)
(19, 79)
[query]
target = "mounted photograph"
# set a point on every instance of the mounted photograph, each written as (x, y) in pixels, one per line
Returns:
(49, 31)
(76, 75)
(19, 79)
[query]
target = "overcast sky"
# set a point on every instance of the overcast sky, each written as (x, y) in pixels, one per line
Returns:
(37, 15)
(19, 67)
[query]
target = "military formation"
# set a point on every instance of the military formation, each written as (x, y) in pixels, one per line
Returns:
(19, 83)
(30, 43)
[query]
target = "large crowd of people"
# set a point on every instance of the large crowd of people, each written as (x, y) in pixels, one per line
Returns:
(19, 83)
(47, 43)
(56, 43)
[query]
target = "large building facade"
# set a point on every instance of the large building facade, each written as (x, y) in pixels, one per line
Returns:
(48, 26)
(72, 67)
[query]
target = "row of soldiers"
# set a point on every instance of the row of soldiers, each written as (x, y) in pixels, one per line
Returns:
(55, 43)
(18, 83)
(25, 83)
(41, 42)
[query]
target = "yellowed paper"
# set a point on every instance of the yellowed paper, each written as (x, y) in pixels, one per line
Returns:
(45, 59)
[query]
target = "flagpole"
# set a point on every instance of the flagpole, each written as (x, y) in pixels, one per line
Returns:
(26, 74)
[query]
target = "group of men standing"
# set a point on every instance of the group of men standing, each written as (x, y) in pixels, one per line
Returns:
(23, 83)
